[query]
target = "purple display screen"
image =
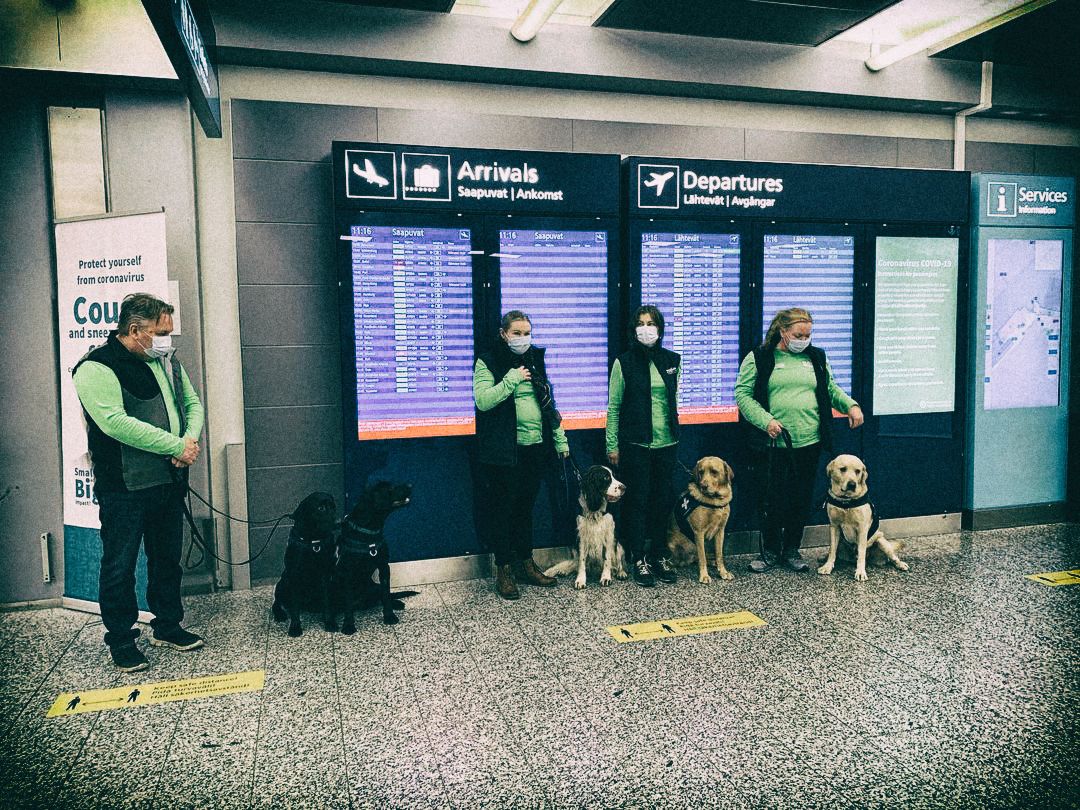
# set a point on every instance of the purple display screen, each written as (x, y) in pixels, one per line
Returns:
(413, 326)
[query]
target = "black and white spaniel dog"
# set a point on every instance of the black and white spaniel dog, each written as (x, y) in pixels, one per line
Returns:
(597, 548)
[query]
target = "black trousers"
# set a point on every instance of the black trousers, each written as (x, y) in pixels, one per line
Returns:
(646, 506)
(786, 479)
(508, 495)
(152, 518)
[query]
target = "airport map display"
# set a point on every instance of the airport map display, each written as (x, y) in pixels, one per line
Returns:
(1023, 323)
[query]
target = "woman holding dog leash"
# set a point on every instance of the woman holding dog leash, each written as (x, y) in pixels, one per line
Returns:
(642, 441)
(517, 430)
(786, 390)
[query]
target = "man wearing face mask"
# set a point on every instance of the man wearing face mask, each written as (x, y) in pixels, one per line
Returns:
(786, 385)
(518, 433)
(143, 421)
(642, 441)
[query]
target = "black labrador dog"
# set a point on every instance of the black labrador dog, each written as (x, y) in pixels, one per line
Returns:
(362, 550)
(307, 581)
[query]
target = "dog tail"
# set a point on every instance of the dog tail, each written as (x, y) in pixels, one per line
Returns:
(562, 569)
(404, 594)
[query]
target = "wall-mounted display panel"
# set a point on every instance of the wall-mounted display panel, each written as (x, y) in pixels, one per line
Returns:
(560, 278)
(915, 289)
(815, 272)
(1022, 332)
(412, 321)
(693, 278)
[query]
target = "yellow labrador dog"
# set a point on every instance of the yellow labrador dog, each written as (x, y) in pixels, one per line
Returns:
(852, 515)
(701, 514)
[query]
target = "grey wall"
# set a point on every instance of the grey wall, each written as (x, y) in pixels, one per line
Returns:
(285, 250)
(30, 424)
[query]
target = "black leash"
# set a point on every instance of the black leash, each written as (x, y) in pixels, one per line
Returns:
(765, 503)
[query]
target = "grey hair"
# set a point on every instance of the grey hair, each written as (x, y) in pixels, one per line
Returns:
(514, 315)
(139, 309)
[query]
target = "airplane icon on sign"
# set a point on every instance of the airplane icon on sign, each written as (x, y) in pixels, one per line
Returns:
(369, 173)
(658, 181)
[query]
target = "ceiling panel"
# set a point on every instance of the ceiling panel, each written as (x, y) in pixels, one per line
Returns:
(412, 5)
(809, 22)
(1044, 39)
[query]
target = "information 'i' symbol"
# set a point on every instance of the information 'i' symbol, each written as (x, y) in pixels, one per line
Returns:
(1001, 199)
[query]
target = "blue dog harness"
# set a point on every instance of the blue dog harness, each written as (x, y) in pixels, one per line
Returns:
(347, 545)
(684, 508)
(875, 524)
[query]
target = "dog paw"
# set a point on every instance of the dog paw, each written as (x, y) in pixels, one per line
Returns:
(861, 576)
(903, 566)
(621, 575)
(579, 583)
(390, 618)
(727, 575)
(348, 629)
(825, 570)
(279, 614)
(704, 579)
(295, 630)
(605, 581)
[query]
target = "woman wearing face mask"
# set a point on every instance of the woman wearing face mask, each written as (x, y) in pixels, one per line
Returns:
(786, 385)
(642, 440)
(517, 431)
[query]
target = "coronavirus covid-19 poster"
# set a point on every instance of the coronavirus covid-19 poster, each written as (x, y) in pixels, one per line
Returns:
(99, 260)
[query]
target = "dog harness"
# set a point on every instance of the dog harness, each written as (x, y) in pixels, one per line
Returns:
(875, 524)
(299, 541)
(348, 546)
(685, 507)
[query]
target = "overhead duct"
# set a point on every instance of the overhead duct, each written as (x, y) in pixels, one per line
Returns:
(532, 19)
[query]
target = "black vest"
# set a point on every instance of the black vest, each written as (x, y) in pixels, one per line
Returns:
(635, 415)
(120, 467)
(765, 361)
(496, 430)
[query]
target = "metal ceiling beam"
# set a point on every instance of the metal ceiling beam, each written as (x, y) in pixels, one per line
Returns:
(943, 37)
(532, 19)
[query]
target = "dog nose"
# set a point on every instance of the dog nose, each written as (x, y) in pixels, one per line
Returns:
(849, 486)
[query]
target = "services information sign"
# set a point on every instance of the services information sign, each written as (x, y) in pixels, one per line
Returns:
(694, 277)
(560, 277)
(915, 324)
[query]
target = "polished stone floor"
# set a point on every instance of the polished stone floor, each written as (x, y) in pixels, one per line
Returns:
(954, 685)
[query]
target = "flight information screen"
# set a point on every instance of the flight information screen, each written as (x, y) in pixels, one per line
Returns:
(413, 324)
(816, 273)
(560, 278)
(693, 279)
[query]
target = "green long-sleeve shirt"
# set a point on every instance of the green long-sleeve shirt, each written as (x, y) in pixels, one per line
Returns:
(100, 394)
(661, 431)
(530, 420)
(792, 396)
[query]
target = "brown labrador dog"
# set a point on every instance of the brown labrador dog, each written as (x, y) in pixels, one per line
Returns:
(852, 516)
(701, 514)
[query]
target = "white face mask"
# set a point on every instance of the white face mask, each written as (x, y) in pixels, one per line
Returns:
(519, 344)
(647, 335)
(796, 345)
(160, 346)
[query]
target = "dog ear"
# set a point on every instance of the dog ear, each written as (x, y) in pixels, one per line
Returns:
(830, 470)
(594, 486)
(863, 475)
(730, 472)
(699, 470)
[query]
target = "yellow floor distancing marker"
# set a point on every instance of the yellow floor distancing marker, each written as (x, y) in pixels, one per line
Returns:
(689, 626)
(1055, 578)
(124, 697)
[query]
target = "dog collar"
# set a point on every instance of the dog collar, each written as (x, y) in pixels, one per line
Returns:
(302, 542)
(846, 504)
(371, 548)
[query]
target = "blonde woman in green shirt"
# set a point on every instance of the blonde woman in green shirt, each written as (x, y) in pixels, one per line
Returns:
(786, 386)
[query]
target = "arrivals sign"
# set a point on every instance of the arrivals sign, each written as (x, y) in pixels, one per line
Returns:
(1018, 200)
(696, 189)
(425, 178)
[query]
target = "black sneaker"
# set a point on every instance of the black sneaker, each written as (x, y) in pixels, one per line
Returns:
(643, 574)
(176, 638)
(128, 658)
(795, 562)
(663, 570)
(763, 564)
